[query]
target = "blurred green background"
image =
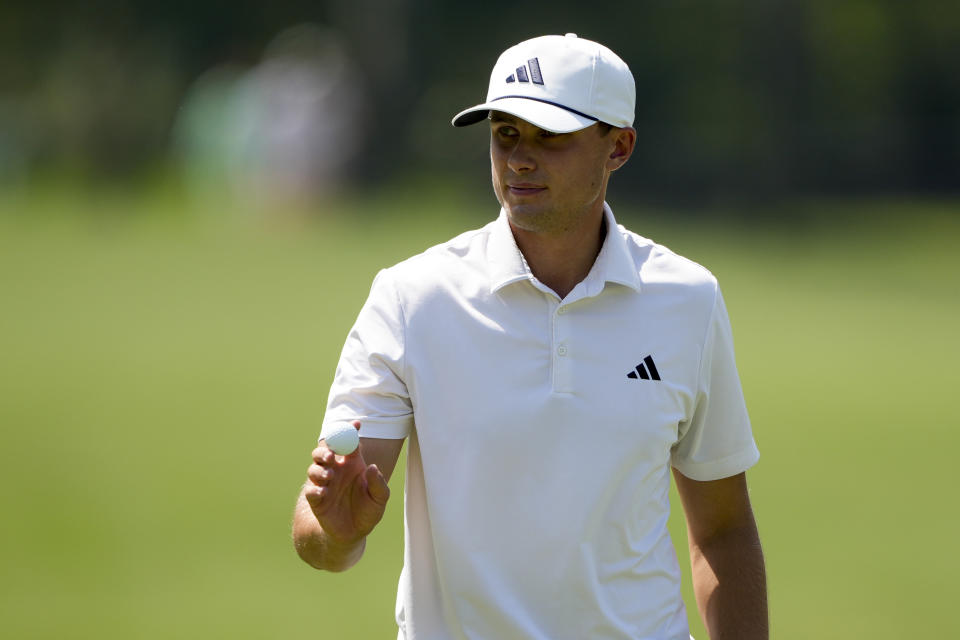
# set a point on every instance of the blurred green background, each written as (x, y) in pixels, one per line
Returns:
(164, 375)
(193, 204)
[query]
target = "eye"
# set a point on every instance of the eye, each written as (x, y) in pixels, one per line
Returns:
(506, 131)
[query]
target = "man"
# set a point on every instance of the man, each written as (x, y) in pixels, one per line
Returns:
(548, 370)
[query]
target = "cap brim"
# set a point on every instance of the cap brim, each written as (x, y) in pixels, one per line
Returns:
(542, 114)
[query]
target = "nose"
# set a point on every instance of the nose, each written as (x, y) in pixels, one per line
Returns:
(521, 159)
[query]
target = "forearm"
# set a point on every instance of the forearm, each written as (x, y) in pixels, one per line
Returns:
(316, 548)
(729, 579)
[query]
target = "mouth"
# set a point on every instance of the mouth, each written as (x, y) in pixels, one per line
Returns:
(525, 188)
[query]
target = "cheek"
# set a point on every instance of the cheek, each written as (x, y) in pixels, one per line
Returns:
(594, 174)
(584, 179)
(495, 161)
(495, 179)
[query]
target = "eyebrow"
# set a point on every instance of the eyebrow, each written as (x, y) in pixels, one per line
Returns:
(496, 116)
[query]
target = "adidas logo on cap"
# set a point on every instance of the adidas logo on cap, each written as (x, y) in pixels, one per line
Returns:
(535, 76)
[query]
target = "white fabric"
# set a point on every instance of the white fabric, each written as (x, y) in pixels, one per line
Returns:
(536, 496)
(549, 80)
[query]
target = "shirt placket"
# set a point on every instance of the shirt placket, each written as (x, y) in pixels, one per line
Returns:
(563, 349)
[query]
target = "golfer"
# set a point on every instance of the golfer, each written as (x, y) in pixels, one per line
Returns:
(549, 372)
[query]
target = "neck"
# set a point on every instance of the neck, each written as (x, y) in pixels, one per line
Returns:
(563, 259)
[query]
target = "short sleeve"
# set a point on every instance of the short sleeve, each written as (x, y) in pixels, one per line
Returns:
(369, 383)
(717, 441)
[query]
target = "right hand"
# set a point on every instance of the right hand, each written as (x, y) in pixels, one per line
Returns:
(348, 497)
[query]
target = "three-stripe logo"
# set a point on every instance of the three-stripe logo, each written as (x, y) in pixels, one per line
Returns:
(521, 75)
(646, 370)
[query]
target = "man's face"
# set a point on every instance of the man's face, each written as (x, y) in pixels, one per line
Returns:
(547, 182)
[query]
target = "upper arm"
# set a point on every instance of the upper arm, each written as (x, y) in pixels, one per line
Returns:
(383, 452)
(714, 507)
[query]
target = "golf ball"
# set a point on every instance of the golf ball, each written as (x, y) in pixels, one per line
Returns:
(342, 438)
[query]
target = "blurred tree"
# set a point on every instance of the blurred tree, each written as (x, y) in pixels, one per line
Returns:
(736, 98)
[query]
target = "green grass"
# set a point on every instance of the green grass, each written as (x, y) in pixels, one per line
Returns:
(163, 375)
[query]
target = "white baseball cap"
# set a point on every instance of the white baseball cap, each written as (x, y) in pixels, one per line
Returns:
(558, 83)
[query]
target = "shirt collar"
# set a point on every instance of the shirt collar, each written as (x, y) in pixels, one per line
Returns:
(507, 264)
(613, 264)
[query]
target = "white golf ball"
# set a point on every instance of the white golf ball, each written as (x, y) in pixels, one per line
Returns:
(342, 438)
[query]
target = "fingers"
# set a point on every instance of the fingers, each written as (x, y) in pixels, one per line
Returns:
(331, 475)
(316, 496)
(376, 485)
(344, 493)
(324, 459)
(322, 477)
(323, 454)
(322, 474)
(319, 475)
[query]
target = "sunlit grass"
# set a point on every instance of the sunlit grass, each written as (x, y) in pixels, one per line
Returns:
(163, 372)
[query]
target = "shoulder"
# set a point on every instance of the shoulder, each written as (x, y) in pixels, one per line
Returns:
(461, 259)
(659, 266)
(468, 246)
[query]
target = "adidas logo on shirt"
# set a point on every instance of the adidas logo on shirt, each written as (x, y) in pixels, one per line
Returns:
(646, 370)
(521, 76)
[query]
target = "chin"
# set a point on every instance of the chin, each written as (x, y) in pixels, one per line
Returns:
(527, 217)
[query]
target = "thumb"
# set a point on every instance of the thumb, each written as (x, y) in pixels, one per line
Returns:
(376, 485)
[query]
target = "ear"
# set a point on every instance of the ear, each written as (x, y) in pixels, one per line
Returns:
(624, 141)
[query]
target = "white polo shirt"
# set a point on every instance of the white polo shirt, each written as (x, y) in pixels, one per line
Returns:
(542, 432)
